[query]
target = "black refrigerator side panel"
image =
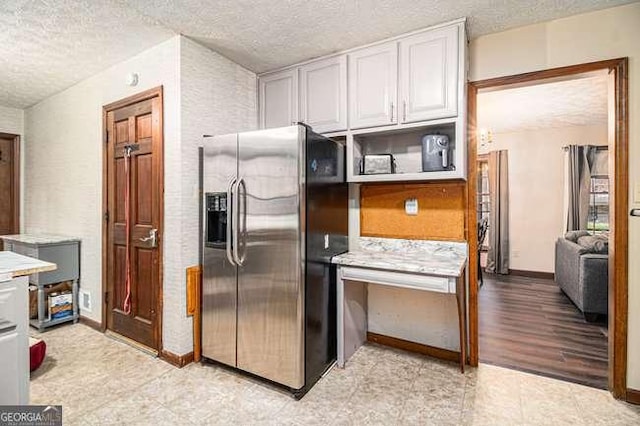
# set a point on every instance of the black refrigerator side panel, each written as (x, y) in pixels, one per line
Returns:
(327, 204)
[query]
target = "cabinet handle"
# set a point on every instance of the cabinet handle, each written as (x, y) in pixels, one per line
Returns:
(7, 326)
(404, 110)
(391, 111)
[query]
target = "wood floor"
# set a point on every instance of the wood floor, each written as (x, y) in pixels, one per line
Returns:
(528, 324)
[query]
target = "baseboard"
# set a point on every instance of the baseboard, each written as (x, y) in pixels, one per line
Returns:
(91, 323)
(176, 360)
(633, 396)
(420, 348)
(532, 274)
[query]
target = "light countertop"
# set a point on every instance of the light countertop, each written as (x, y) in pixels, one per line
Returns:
(33, 239)
(441, 258)
(16, 265)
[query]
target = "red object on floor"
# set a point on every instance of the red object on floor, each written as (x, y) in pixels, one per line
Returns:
(37, 352)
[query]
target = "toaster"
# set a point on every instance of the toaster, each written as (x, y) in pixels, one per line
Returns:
(374, 164)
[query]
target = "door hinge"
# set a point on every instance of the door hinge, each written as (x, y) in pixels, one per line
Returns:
(106, 137)
(106, 216)
(106, 297)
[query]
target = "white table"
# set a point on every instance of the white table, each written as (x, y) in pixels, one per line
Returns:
(416, 265)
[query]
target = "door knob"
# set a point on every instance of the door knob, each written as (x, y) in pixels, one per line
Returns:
(153, 237)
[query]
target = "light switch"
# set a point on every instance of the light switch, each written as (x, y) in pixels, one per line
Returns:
(411, 206)
(636, 193)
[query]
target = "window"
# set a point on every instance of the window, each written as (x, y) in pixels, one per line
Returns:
(483, 192)
(599, 205)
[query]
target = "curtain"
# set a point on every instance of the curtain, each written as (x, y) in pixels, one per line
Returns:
(498, 256)
(581, 159)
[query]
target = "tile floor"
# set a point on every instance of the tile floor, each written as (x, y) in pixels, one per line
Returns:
(100, 381)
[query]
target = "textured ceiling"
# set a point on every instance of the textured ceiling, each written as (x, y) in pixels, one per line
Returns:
(267, 34)
(49, 45)
(560, 104)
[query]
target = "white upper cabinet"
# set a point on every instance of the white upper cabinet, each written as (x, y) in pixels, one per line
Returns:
(373, 90)
(429, 75)
(278, 94)
(323, 94)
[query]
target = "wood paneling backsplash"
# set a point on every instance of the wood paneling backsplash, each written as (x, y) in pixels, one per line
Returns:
(441, 211)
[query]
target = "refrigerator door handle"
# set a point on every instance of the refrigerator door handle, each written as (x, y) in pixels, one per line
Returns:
(229, 220)
(236, 231)
(243, 228)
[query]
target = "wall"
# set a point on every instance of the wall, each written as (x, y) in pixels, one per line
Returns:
(605, 34)
(441, 211)
(63, 160)
(12, 121)
(203, 93)
(217, 97)
(536, 179)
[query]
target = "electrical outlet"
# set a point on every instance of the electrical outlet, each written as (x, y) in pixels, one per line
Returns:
(411, 206)
(516, 253)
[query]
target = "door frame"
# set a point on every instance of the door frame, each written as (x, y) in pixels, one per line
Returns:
(142, 96)
(16, 179)
(619, 187)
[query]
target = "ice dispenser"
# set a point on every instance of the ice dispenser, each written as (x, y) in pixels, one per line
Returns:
(216, 219)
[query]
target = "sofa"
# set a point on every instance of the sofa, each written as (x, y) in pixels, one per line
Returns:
(582, 271)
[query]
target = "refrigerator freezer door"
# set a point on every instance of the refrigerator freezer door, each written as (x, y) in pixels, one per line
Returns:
(270, 281)
(219, 278)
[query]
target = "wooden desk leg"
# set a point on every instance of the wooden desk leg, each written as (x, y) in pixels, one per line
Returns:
(461, 298)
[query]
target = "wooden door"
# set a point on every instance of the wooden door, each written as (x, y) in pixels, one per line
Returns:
(429, 75)
(323, 94)
(279, 99)
(373, 86)
(134, 143)
(9, 185)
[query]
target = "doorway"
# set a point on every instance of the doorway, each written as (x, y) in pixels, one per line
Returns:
(133, 218)
(9, 184)
(617, 144)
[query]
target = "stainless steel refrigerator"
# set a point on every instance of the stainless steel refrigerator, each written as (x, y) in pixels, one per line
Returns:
(275, 210)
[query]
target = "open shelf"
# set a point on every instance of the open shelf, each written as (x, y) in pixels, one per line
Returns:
(405, 145)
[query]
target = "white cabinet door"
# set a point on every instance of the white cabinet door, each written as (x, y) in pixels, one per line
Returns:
(11, 369)
(429, 75)
(279, 99)
(323, 94)
(373, 88)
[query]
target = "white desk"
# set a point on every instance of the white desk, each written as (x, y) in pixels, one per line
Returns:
(417, 265)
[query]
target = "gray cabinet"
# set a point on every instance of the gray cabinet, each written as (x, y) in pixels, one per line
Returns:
(64, 252)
